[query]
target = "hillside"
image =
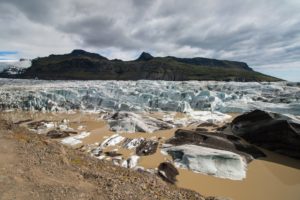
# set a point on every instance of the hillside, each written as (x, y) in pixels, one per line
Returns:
(35, 167)
(82, 65)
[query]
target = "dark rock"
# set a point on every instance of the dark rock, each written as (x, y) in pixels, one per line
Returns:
(216, 140)
(208, 124)
(222, 128)
(112, 154)
(37, 124)
(201, 129)
(23, 121)
(57, 134)
(217, 198)
(147, 147)
(167, 172)
(272, 131)
(145, 57)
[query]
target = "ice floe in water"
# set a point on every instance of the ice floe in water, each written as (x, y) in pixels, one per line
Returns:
(75, 140)
(219, 163)
(132, 143)
(148, 95)
(112, 140)
(132, 122)
(131, 162)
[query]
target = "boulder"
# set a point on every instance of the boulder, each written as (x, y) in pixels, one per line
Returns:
(147, 147)
(112, 154)
(57, 134)
(272, 131)
(167, 172)
(215, 140)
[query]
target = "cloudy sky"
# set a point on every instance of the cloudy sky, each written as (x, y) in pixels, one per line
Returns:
(265, 34)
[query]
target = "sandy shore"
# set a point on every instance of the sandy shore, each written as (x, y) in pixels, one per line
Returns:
(273, 178)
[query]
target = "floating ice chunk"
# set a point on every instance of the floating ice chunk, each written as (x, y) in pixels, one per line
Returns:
(168, 117)
(75, 140)
(219, 163)
(49, 125)
(82, 135)
(101, 157)
(211, 117)
(63, 127)
(112, 140)
(132, 143)
(132, 122)
(131, 162)
(71, 141)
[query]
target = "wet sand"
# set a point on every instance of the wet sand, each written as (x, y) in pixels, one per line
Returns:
(276, 177)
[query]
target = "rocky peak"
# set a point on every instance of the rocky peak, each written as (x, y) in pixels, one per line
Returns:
(145, 57)
(80, 52)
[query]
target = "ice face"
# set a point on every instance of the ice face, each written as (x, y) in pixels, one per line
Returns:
(219, 163)
(145, 95)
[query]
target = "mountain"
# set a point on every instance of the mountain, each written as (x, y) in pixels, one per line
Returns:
(82, 65)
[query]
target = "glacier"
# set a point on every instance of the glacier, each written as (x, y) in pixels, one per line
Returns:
(146, 95)
(14, 67)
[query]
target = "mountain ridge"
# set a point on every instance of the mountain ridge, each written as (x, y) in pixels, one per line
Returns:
(83, 65)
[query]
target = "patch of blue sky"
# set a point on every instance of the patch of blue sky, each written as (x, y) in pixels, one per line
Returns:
(4, 53)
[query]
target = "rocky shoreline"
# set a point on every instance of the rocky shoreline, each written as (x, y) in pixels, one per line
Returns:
(44, 169)
(131, 140)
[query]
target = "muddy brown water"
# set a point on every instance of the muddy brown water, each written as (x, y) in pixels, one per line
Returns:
(276, 177)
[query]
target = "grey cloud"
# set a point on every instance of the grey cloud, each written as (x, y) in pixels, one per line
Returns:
(100, 32)
(259, 32)
(37, 10)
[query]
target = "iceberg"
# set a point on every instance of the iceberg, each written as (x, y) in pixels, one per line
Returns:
(75, 140)
(112, 140)
(132, 143)
(131, 162)
(131, 122)
(209, 161)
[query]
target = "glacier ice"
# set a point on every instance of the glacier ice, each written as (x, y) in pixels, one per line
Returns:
(112, 140)
(219, 163)
(146, 95)
(76, 139)
(131, 162)
(132, 143)
(132, 122)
